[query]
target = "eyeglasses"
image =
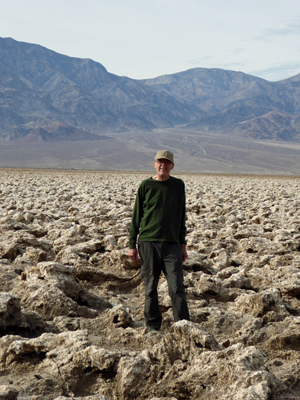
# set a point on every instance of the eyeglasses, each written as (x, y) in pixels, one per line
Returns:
(163, 161)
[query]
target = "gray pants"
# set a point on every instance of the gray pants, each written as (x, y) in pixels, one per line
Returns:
(166, 257)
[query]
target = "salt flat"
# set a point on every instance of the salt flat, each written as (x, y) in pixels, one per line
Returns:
(71, 302)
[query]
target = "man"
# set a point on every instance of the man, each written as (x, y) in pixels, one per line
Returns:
(159, 221)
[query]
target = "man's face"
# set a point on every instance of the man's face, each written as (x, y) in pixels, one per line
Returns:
(163, 168)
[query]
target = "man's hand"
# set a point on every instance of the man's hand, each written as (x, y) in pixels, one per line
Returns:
(184, 253)
(133, 254)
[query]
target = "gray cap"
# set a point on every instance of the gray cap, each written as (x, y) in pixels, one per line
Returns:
(168, 155)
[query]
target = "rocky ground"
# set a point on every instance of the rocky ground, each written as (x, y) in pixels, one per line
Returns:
(71, 302)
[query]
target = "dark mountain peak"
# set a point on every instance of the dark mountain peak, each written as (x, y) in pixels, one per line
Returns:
(203, 86)
(207, 76)
(295, 78)
(14, 48)
(38, 65)
(274, 125)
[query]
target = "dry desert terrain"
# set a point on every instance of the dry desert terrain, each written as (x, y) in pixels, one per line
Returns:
(71, 302)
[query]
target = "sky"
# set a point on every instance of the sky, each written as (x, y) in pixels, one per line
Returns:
(144, 39)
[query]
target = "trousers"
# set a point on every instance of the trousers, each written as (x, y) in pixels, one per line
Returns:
(166, 257)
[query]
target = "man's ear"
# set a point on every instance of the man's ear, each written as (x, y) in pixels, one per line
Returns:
(154, 164)
(172, 166)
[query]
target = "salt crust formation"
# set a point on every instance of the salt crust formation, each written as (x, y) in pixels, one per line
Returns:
(71, 302)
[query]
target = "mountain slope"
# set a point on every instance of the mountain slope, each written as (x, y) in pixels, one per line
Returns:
(39, 87)
(41, 90)
(232, 98)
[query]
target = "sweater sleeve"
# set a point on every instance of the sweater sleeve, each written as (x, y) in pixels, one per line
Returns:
(182, 232)
(136, 218)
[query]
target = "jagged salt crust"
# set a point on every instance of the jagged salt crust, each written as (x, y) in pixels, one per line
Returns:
(71, 302)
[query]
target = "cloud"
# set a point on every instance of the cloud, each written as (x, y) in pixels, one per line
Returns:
(238, 50)
(278, 72)
(292, 28)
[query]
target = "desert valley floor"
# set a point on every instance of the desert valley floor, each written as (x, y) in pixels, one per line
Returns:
(71, 301)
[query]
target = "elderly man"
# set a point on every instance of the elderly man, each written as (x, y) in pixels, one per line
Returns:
(159, 221)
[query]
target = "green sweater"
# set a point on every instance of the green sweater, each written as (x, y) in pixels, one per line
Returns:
(159, 212)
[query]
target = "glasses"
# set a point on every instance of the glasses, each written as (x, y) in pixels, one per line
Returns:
(163, 161)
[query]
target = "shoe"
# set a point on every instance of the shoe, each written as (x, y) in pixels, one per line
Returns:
(150, 330)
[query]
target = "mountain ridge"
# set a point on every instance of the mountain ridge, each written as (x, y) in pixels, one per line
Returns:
(41, 89)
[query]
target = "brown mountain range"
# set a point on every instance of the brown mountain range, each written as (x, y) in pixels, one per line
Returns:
(46, 96)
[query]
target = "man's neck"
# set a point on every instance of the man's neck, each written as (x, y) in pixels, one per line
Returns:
(161, 178)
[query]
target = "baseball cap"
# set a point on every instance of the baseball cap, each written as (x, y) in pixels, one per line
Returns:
(168, 155)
